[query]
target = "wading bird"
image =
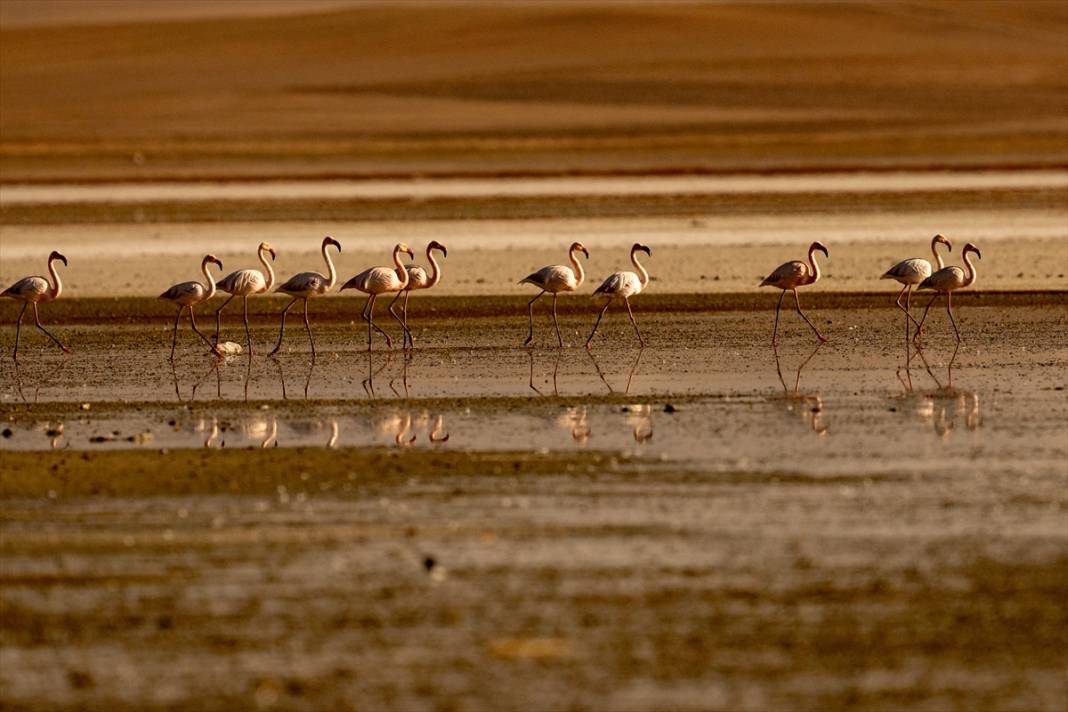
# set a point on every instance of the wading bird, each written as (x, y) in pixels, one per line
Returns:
(32, 290)
(946, 281)
(625, 285)
(910, 273)
(555, 279)
(188, 294)
(790, 276)
(381, 280)
(418, 279)
(242, 283)
(305, 286)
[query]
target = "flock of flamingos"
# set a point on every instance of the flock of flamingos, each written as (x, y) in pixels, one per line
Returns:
(401, 279)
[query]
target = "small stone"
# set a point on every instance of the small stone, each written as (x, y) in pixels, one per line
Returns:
(7, 433)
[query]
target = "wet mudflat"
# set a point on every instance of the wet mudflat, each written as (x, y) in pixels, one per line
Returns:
(698, 525)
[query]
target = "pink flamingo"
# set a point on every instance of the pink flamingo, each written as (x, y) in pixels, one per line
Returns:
(555, 279)
(946, 281)
(32, 290)
(381, 280)
(243, 283)
(625, 285)
(910, 273)
(418, 279)
(306, 285)
(188, 294)
(792, 275)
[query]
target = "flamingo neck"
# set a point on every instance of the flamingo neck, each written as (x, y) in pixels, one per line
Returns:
(57, 285)
(969, 278)
(643, 276)
(938, 257)
(579, 274)
(815, 266)
(331, 273)
(435, 271)
(269, 270)
(210, 280)
(402, 274)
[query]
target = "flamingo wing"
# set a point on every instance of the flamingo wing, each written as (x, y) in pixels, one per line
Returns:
(787, 275)
(28, 289)
(620, 284)
(185, 293)
(911, 271)
(304, 283)
(243, 281)
(417, 278)
(554, 278)
(944, 280)
(375, 280)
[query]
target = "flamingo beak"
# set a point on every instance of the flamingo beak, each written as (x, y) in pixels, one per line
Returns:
(823, 249)
(978, 253)
(61, 257)
(586, 252)
(273, 255)
(444, 252)
(647, 251)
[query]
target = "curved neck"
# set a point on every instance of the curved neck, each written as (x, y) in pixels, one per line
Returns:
(435, 272)
(579, 274)
(402, 274)
(812, 263)
(331, 273)
(938, 257)
(969, 278)
(643, 276)
(57, 285)
(209, 278)
(267, 266)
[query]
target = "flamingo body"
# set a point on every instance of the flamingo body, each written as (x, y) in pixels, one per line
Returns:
(948, 280)
(418, 278)
(791, 275)
(555, 279)
(244, 283)
(33, 289)
(36, 290)
(306, 285)
(624, 285)
(186, 295)
(381, 280)
(912, 272)
(376, 280)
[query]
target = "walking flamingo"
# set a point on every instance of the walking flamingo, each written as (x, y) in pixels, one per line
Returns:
(188, 294)
(792, 275)
(555, 279)
(306, 285)
(380, 280)
(243, 283)
(625, 285)
(946, 281)
(31, 290)
(910, 273)
(418, 279)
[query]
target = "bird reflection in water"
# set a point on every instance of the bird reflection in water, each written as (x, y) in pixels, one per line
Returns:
(576, 421)
(809, 406)
(556, 372)
(309, 431)
(47, 378)
(282, 378)
(213, 368)
(640, 417)
(943, 407)
(630, 376)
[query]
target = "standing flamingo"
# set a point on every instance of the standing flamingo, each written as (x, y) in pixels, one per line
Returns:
(910, 273)
(625, 285)
(555, 279)
(946, 281)
(380, 280)
(306, 285)
(31, 290)
(792, 275)
(243, 283)
(188, 294)
(418, 279)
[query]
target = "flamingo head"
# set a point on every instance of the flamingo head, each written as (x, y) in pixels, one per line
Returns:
(56, 256)
(818, 246)
(404, 248)
(579, 247)
(213, 259)
(331, 241)
(435, 245)
(264, 247)
(637, 247)
(943, 240)
(972, 248)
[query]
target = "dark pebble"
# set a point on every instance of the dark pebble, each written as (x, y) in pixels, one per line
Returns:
(429, 563)
(669, 408)
(7, 433)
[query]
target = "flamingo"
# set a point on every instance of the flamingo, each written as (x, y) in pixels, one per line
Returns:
(188, 294)
(910, 273)
(946, 281)
(792, 275)
(306, 285)
(555, 279)
(380, 280)
(31, 290)
(243, 283)
(418, 279)
(625, 285)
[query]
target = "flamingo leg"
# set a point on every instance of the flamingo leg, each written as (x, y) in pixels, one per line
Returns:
(530, 317)
(37, 322)
(404, 311)
(775, 331)
(556, 324)
(307, 325)
(371, 323)
(282, 332)
(18, 331)
(213, 347)
(923, 319)
(248, 333)
(598, 322)
(797, 301)
(404, 327)
(174, 338)
(949, 308)
(218, 318)
(906, 291)
(641, 341)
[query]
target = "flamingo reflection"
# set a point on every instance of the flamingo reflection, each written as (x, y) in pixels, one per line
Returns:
(556, 372)
(809, 406)
(630, 376)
